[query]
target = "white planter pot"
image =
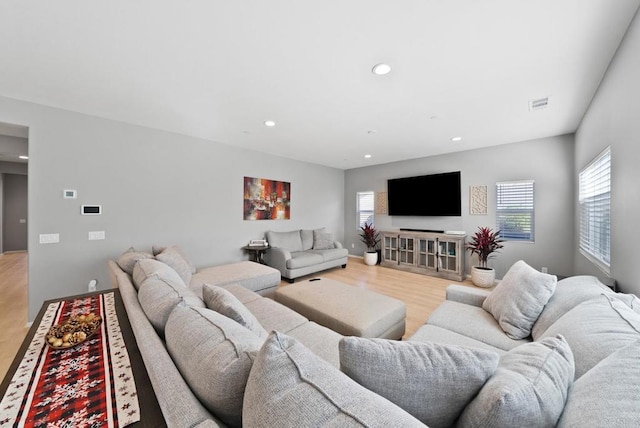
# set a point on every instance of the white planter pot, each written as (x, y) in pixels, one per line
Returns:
(483, 277)
(371, 258)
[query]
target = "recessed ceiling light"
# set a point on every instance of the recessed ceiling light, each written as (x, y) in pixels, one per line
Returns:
(23, 157)
(367, 156)
(269, 123)
(381, 69)
(456, 138)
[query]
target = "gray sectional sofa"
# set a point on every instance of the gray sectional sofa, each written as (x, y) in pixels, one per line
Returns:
(226, 356)
(303, 252)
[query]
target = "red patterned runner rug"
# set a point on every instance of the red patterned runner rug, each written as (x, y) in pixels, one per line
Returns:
(89, 385)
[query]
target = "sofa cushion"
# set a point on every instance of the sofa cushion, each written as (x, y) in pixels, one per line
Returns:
(275, 316)
(630, 300)
(290, 241)
(456, 317)
(212, 353)
(307, 237)
(608, 393)
(146, 268)
(331, 253)
(241, 293)
(595, 329)
(569, 293)
(434, 334)
(157, 249)
(129, 258)
(158, 295)
(518, 300)
(432, 382)
(320, 340)
(173, 258)
(529, 388)
(322, 240)
(302, 259)
(290, 383)
(253, 276)
(225, 303)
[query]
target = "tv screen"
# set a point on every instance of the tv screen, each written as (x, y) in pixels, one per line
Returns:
(425, 195)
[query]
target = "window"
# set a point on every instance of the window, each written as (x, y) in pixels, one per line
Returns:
(365, 208)
(595, 210)
(515, 210)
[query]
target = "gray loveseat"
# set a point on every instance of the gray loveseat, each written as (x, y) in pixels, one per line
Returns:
(303, 252)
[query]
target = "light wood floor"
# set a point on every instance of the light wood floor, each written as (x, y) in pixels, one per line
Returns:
(422, 294)
(13, 306)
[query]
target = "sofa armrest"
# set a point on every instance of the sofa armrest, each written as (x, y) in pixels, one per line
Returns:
(468, 295)
(277, 258)
(337, 244)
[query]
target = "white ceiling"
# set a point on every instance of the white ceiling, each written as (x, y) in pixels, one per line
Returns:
(218, 69)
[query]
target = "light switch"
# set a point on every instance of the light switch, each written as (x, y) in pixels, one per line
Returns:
(96, 235)
(22, 220)
(49, 238)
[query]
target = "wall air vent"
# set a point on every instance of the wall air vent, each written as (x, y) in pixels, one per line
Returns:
(539, 104)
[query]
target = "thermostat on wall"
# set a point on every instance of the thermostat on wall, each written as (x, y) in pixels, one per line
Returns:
(91, 210)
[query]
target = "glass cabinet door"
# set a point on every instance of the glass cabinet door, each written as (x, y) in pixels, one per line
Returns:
(406, 250)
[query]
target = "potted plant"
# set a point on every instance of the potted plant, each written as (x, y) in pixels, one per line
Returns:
(371, 238)
(484, 243)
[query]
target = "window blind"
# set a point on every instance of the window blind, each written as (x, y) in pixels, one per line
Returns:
(595, 210)
(515, 210)
(365, 208)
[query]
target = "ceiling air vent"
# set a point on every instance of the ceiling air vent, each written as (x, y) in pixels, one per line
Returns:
(539, 104)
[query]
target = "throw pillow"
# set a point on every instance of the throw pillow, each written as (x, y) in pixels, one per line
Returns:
(433, 382)
(222, 301)
(158, 295)
(569, 293)
(290, 383)
(173, 258)
(307, 238)
(518, 300)
(608, 393)
(146, 268)
(156, 249)
(212, 353)
(595, 329)
(129, 258)
(529, 387)
(322, 240)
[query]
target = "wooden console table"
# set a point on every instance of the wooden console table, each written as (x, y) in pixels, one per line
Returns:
(428, 253)
(150, 413)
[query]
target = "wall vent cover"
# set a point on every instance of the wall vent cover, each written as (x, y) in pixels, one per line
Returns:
(539, 104)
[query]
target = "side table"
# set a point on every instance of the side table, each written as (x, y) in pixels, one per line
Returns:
(256, 252)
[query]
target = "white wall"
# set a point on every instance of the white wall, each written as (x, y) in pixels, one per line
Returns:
(155, 187)
(548, 161)
(612, 120)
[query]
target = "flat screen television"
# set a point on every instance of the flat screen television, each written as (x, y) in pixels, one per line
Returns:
(425, 195)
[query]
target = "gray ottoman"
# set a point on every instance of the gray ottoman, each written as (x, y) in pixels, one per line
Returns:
(347, 310)
(254, 276)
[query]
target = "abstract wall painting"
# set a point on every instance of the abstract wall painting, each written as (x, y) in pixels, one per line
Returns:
(266, 199)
